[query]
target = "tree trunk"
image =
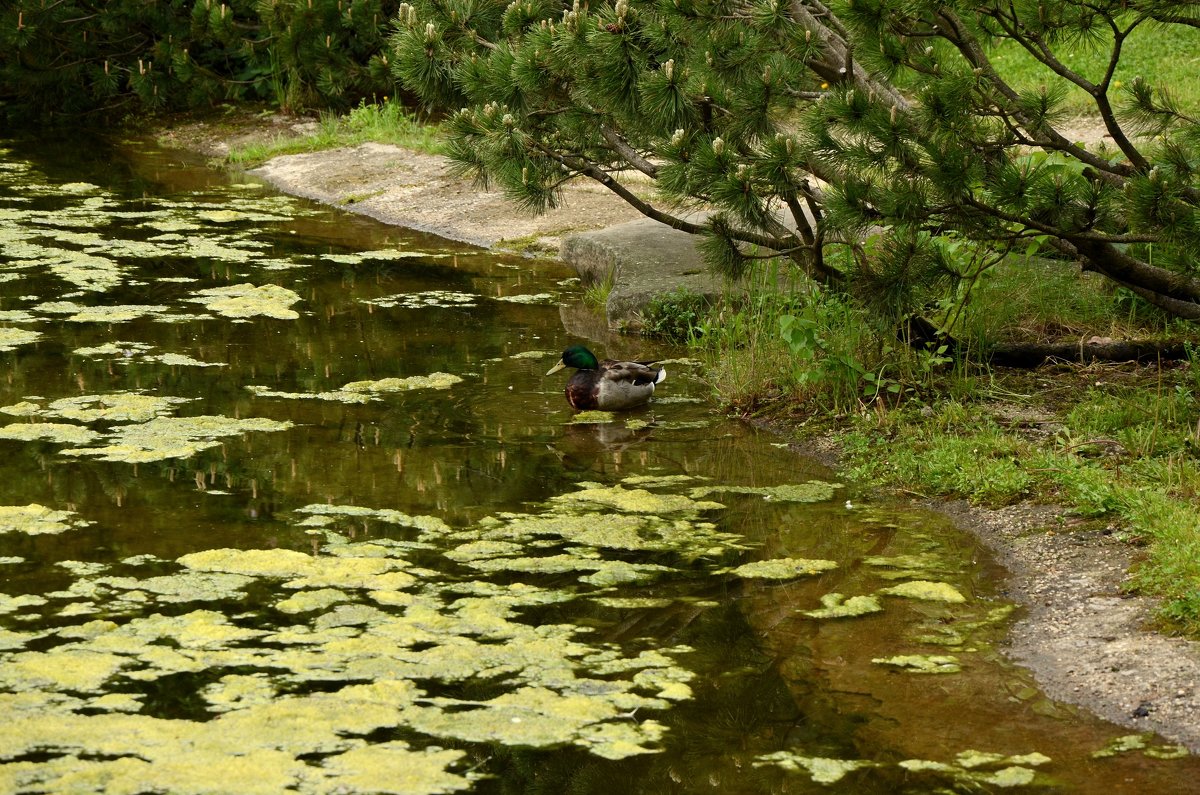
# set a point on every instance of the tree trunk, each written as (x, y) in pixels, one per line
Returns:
(1034, 354)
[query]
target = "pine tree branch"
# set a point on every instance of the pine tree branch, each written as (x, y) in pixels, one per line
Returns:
(836, 63)
(1133, 273)
(786, 242)
(631, 155)
(1035, 45)
(1041, 135)
(1099, 238)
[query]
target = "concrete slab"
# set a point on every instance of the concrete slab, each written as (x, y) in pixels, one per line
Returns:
(646, 259)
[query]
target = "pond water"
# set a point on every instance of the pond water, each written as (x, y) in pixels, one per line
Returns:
(289, 505)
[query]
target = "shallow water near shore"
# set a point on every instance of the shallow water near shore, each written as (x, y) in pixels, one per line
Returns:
(289, 505)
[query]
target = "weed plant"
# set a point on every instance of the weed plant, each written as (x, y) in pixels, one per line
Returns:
(596, 293)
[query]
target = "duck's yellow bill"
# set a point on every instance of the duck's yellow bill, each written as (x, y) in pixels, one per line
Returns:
(556, 368)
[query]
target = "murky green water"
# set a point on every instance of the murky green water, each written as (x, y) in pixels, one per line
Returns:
(289, 506)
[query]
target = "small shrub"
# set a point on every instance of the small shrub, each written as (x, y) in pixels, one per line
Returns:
(676, 316)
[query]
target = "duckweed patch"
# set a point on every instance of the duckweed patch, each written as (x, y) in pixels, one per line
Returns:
(130, 352)
(782, 568)
(922, 663)
(116, 313)
(971, 769)
(113, 407)
(384, 255)
(172, 437)
(60, 432)
(1140, 742)
(356, 612)
(527, 298)
(836, 605)
(246, 300)
(823, 770)
(36, 520)
(593, 417)
(637, 501)
(812, 491)
(365, 391)
(13, 338)
(348, 612)
(425, 300)
(926, 591)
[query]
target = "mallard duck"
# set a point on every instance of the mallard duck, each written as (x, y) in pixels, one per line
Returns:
(607, 385)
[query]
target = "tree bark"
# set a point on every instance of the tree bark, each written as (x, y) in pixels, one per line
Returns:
(1034, 354)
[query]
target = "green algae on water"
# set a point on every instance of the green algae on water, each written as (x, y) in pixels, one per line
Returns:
(34, 519)
(636, 501)
(781, 568)
(365, 391)
(926, 591)
(527, 298)
(112, 407)
(425, 300)
(12, 338)
(172, 437)
(836, 605)
(593, 417)
(117, 313)
(812, 491)
(61, 432)
(1140, 742)
(922, 663)
(823, 770)
(247, 300)
(129, 352)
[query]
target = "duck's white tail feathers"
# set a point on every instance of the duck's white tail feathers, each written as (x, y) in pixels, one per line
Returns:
(662, 375)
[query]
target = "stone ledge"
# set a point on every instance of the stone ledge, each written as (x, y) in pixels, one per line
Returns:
(645, 259)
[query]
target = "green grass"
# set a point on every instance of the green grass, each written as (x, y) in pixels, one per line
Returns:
(1167, 55)
(388, 122)
(596, 293)
(1027, 299)
(1126, 453)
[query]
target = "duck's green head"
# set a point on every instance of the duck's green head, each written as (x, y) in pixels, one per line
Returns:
(578, 357)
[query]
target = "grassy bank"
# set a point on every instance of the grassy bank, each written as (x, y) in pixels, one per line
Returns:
(1116, 445)
(388, 122)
